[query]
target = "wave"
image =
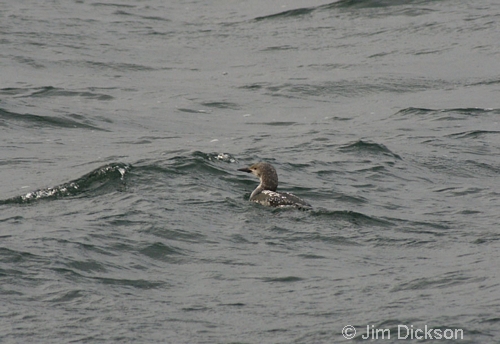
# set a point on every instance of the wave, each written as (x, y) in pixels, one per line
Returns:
(50, 91)
(345, 88)
(361, 146)
(100, 180)
(342, 4)
(289, 13)
(438, 112)
(474, 134)
(37, 121)
(371, 3)
(352, 217)
(111, 177)
(198, 160)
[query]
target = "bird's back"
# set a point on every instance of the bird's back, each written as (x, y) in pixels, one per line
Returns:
(279, 199)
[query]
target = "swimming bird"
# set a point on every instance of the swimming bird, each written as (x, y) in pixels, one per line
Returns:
(266, 193)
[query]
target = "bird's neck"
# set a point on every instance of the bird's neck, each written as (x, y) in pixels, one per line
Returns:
(257, 191)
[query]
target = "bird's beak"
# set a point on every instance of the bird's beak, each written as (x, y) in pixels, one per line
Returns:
(245, 169)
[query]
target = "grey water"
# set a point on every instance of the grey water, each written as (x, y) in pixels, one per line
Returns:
(123, 218)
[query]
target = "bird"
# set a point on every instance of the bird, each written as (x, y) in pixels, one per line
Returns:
(266, 193)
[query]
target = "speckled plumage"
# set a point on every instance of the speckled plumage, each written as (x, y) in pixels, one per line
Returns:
(266, 193)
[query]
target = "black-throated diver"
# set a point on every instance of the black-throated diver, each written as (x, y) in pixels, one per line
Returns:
(266, 193)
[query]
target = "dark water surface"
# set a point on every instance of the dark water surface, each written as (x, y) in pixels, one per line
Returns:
(123, 218)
